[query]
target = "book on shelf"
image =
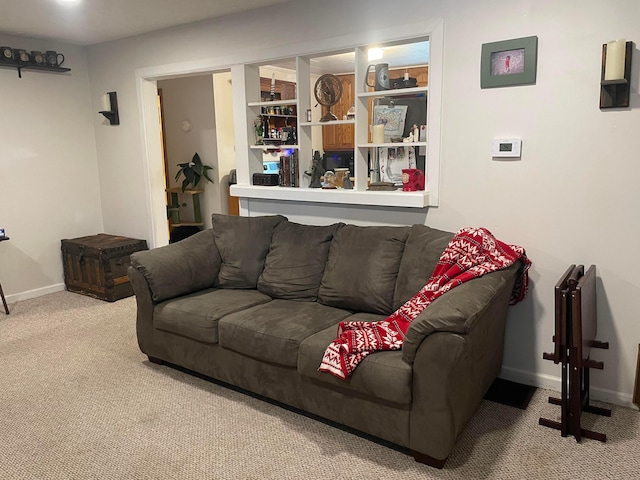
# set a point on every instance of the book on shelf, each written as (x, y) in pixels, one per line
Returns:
(289, 170)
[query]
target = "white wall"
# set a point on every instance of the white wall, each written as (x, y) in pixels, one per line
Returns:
(49, 187)
(191, 99)
(225, 134)
(571, 198)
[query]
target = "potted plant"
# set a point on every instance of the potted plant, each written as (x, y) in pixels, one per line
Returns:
(193, 172)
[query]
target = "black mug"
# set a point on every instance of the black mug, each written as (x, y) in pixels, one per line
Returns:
(20, 55)
(53, 58)
(381, 80)
(6, 54)
(38, 58)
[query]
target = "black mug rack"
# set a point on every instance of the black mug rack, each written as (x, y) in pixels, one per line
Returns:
(31, 63)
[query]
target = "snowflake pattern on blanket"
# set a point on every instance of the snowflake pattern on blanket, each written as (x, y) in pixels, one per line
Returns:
(472, 252)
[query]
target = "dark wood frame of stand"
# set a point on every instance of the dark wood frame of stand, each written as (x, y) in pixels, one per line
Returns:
(4, 300)
(575, 331)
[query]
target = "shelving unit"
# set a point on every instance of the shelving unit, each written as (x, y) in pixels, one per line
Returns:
(247, 90)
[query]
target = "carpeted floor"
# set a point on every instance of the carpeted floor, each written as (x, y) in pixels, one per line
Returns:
(78, 400)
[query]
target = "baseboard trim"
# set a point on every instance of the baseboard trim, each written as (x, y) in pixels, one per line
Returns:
(550, 382)
(38, 292)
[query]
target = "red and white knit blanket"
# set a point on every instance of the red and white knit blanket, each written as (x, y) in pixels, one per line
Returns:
(472, 252)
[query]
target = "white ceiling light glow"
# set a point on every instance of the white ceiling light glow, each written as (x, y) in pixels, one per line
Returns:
(374, 54)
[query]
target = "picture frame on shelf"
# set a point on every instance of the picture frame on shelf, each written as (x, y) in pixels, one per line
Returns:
(509, 62)
(393, 117)
(393, 160)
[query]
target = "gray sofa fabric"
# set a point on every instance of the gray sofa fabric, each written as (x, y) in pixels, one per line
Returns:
(196, 315)
(273, 331)
(296, 260)
(175, 270)
(243, 243)
(421, 254)
(250, 303)
(362, 268)
(383, 375)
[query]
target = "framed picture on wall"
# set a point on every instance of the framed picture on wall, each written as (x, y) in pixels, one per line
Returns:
(509, 62)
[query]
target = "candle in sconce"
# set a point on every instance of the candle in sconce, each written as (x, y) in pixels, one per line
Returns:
(615, 60)
(105, 102)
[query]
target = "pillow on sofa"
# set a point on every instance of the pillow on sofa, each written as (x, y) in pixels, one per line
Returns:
(296, 260)
(362, 268)
(179, 268)
(421, 254)
(243, 243)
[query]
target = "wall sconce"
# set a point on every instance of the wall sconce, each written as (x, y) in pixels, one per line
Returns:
(616, 74)
(109, 103)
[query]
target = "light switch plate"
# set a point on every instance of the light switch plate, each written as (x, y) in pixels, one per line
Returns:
(506, 147)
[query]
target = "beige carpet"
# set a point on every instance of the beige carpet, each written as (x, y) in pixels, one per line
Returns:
(78, 400)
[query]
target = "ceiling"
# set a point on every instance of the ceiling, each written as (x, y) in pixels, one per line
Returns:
(88, 22)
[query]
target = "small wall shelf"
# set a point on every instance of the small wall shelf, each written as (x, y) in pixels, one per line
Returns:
(615, 93)
(26, 66)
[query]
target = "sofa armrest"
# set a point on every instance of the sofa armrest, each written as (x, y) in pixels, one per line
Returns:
(179, 268)
(458, 310)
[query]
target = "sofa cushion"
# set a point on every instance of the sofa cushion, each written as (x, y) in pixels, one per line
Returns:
(421, 254)
(362, 268)
(272, 332)
(179, 268)
(295, 263)
(382, 375)
(196, 316)
(243, 243)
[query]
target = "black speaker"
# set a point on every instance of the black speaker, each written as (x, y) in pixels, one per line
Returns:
(266, 179)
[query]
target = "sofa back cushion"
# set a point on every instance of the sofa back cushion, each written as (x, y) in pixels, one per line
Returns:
(421, 254)
(362, 268)
(296, 260)
(243, 243)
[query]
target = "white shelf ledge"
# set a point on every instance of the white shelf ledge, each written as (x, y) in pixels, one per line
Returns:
(393, 144)
(273, 103)
(282, 146)
(395, 92)
(395, 198)
(332, 122)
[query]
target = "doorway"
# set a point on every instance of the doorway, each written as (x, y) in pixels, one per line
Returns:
(195, 116)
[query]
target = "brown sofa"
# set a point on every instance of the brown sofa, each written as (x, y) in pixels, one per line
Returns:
(254, 302)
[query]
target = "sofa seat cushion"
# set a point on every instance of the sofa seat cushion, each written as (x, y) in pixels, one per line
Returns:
(382, 375)
(196, 315)
(272, 332)
(362, 268)
(295, 263)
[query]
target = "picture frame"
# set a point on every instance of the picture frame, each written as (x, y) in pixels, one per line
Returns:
(509, 62)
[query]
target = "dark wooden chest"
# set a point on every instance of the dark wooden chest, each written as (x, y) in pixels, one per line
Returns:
(97, 265)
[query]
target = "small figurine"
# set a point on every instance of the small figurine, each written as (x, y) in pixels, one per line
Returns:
(347, 185)
(316, 171)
